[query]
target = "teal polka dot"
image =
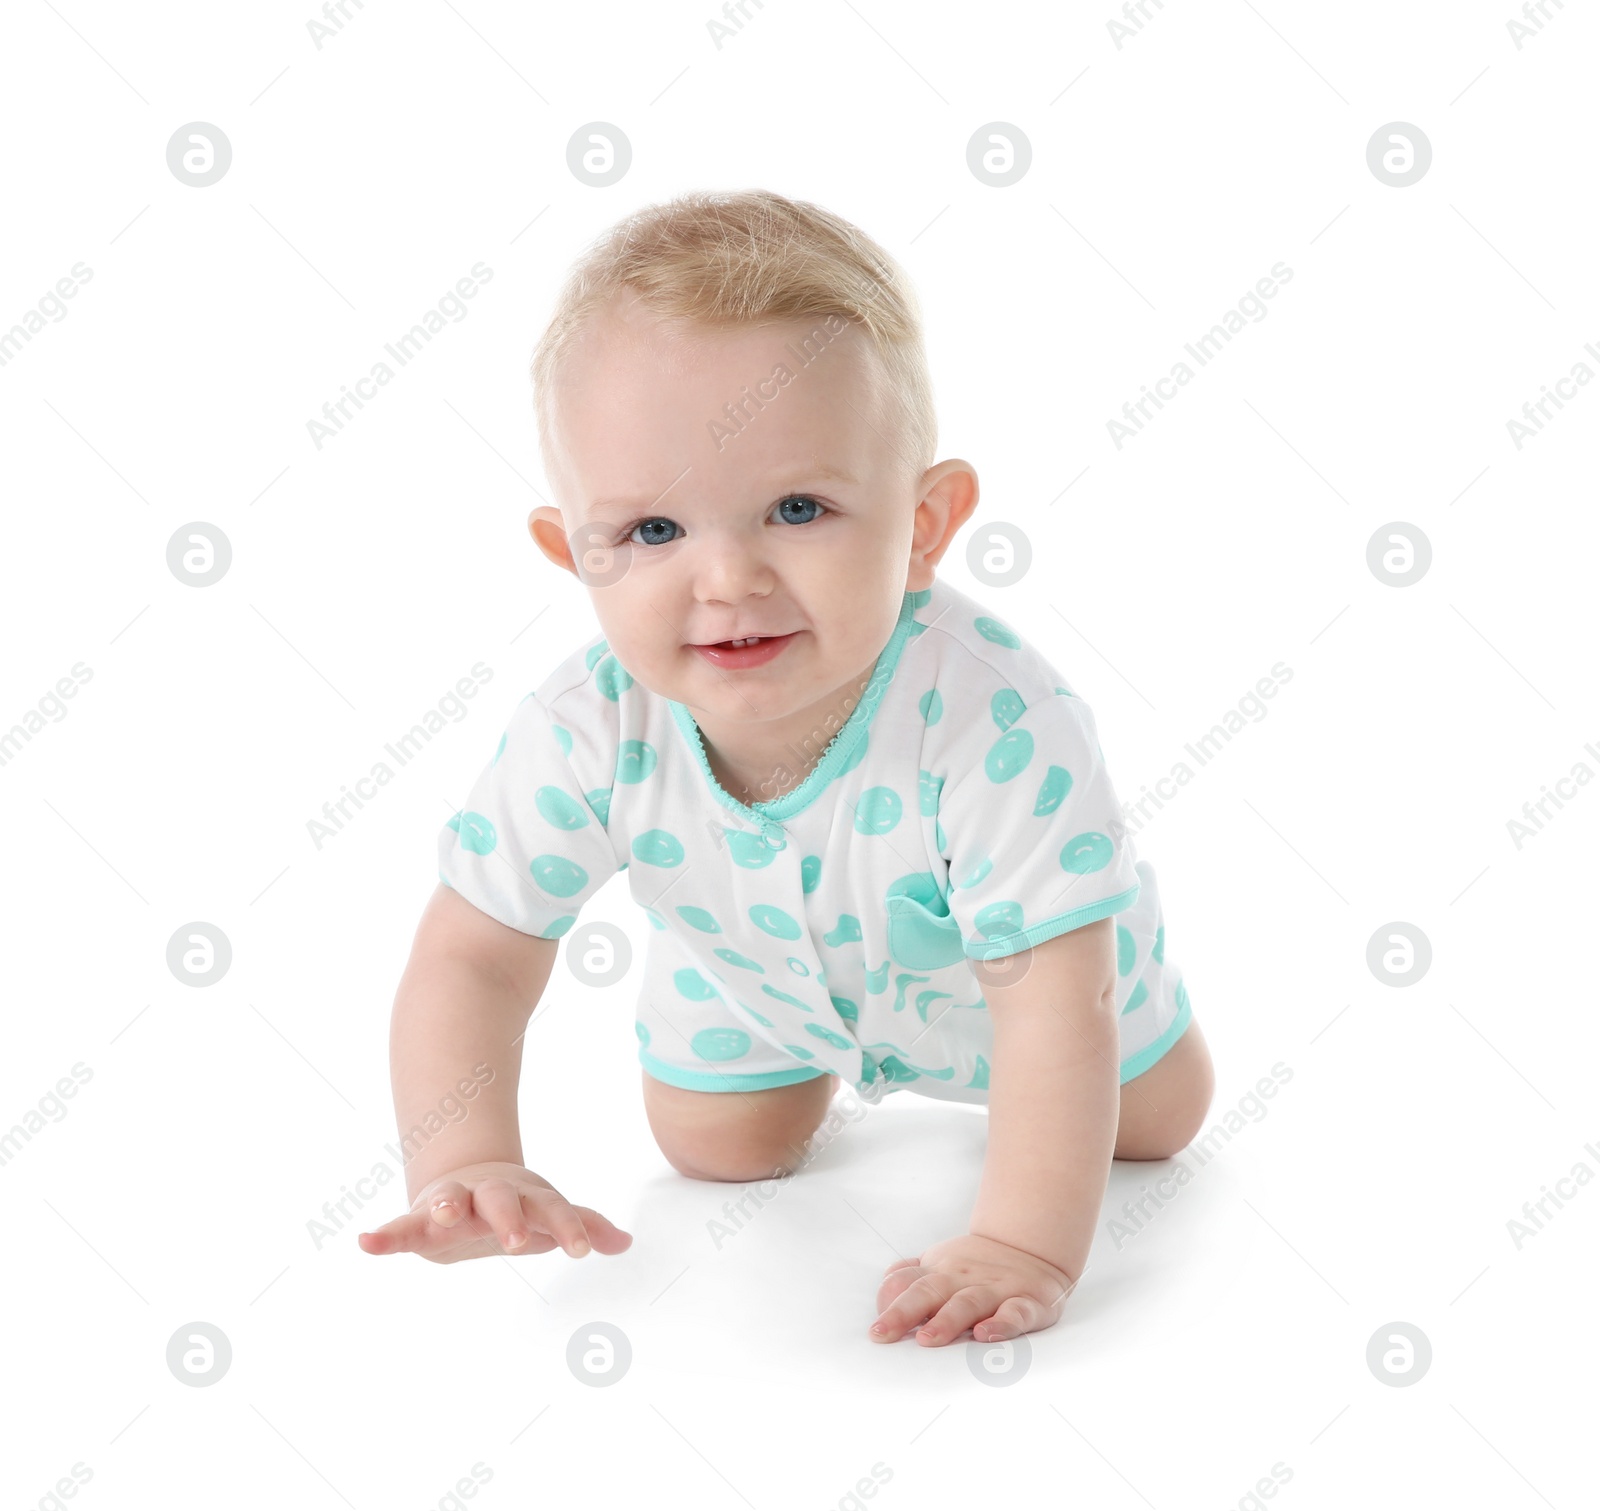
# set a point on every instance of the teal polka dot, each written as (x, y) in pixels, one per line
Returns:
(656, 920)
(477, 833)
(846, 931)
(798, 966)
(600, 801)
(774, 921)
(992, 629)
(744, 962)
(855, 758)
(999, 919)
(719, 1044)
(1086, 853)
(929, 787)
(563, 738)
(658, 847)
(698, 918)
(1066, 692)
(559, 927)
(1126, 951)
(557, 875)
(846, 1009)
(828, 1036)
(643, 1033)
(693, 985)
(636, 759)
(920, 885)
(499, 751)
(810, 873)
(1006, 707)
(1053, 790)
(1159, 953)
(764, 1022)
(593, 654)
(559, 809)
(940, 838)
(879, 811)
(749, 850)
(773, 991)
(1137, 1000)
(1009, 755)
(977, 873)
(930, 705)
(800, 1052)
(612, 678)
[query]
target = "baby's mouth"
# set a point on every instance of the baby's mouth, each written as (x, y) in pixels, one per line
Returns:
(747, 651)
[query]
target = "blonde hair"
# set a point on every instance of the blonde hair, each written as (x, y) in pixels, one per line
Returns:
(745, 258)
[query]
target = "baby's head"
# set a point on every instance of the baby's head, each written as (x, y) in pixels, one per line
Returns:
(737, 422)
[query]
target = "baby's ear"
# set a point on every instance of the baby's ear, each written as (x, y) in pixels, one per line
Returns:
(549, 532)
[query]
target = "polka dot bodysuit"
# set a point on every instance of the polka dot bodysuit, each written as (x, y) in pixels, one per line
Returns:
(962, 812)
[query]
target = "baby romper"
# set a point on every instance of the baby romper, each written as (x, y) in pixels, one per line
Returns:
(963, 811)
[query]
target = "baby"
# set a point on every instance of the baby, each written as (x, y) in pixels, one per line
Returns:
(870, 825)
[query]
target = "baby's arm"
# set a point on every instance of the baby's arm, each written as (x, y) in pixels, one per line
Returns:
(460, 1013)
(1054, 1098)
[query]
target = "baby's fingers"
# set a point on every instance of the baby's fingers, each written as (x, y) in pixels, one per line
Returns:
(497, 1204)
(898, 1280)
(1015, 1316)
(604, 1234)
(550, 1212)
(448, 1203)
(409, 1233)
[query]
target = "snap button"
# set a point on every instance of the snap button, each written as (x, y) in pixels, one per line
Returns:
(772, 836)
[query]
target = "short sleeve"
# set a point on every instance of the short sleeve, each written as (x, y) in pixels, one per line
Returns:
(528, 846)
(1032, 828)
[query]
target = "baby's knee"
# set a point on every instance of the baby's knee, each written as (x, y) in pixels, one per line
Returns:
(736, 1136)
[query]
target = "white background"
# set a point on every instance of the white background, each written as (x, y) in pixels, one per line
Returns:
(1171, 574)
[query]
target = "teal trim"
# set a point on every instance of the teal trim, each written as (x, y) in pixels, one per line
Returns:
(1137, 1064)
(839, 750)
(1010, 944)
(720, 1080)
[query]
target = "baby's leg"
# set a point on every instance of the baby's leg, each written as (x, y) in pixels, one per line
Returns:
(738, 1135)
(1164, 1108)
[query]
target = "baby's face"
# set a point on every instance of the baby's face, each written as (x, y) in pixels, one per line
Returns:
(695, 523)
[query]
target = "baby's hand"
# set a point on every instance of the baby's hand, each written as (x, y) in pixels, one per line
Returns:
(493, 1208)
(981, 1283)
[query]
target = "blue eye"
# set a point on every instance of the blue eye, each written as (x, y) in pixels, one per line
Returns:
(786, 507)
(803, 500)
(646, 524)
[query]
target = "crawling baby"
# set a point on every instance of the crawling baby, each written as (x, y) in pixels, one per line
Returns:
(870, 825)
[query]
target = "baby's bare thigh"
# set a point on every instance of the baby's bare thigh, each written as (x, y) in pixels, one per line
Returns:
(736, 1135)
